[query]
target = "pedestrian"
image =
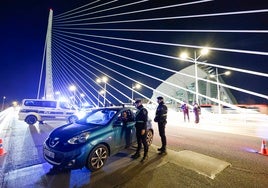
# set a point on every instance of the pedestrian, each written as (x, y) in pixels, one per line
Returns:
(196, 111)
(161, 119)
(185, 110)
(141, 118)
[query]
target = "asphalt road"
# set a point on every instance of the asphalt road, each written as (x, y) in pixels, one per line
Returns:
(23, 164)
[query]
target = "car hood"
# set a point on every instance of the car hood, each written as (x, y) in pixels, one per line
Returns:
(69, 130)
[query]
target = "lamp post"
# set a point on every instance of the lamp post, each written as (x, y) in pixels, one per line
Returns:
(100, 93)
(80, 99)
(82, 96)
(218, 86)
(134, 86)
(73, 89)
(104, 80)
(184, 56)
(3, 104)
(57, 93)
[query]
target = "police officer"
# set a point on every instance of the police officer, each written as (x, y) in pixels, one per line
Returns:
(161, 119)
(141, 118)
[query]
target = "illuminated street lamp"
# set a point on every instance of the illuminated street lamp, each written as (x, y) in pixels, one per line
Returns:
(57, 93)
(79, 100)
(134, 86)
(72, 88)
(3, 104)
(185, 56)
(104, 80)
(218, 86)
(82, 96)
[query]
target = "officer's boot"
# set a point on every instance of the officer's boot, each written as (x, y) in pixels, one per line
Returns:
(145, 157)
(136, 155)
(163, 151)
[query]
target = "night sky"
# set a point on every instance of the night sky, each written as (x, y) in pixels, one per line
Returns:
(22, 36)
(24, 25)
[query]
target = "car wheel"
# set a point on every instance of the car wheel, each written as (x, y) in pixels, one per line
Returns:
(72, 119)
(97, 158)
(150, 136)
(31, 119)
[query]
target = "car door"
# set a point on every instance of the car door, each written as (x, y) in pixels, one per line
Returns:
(123, 130)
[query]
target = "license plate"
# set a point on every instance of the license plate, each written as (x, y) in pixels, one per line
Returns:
(49, 153)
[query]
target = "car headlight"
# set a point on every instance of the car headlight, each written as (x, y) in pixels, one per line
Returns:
(79, 139)
(81, 114)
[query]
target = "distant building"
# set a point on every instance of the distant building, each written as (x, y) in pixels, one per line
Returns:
(188, 83)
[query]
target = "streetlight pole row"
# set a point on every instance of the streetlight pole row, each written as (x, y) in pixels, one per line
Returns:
(185, 56)
(72, 88)
(3, 104)
(196, 79)
(134, 86)
(218, 86)
(100, 93)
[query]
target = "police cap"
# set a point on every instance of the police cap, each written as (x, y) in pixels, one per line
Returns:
(159, 98)
(137, 101)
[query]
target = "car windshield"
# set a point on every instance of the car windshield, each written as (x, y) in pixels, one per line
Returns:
(99, 117)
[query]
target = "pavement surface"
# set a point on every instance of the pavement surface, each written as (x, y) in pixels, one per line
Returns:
(23, 164)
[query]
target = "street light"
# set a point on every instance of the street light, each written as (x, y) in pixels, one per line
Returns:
(57, 93)
(73, 89)
(3, 104)
(82, 96)
(104, 80)
(79, 99)
(100, 93)
(218, 86)
(185, 56)
(134, 86)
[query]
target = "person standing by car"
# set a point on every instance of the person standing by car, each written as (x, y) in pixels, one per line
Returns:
(141, 118)
(161, 119)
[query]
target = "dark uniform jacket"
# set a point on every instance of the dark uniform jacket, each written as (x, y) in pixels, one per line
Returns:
(161, 113)
(141, 118)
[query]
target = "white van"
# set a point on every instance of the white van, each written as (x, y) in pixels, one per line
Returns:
(33, 110)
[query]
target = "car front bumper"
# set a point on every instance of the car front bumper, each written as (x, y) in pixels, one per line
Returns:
(72, 159)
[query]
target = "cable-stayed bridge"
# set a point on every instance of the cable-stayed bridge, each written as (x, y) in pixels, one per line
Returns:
(99, 52)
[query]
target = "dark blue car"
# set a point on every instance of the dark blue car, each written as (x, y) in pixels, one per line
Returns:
(90, 141)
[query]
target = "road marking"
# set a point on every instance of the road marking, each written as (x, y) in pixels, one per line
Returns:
(202, 164)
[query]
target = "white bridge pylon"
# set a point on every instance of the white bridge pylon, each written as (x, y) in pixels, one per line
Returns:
(49, 93)
(48, 89)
